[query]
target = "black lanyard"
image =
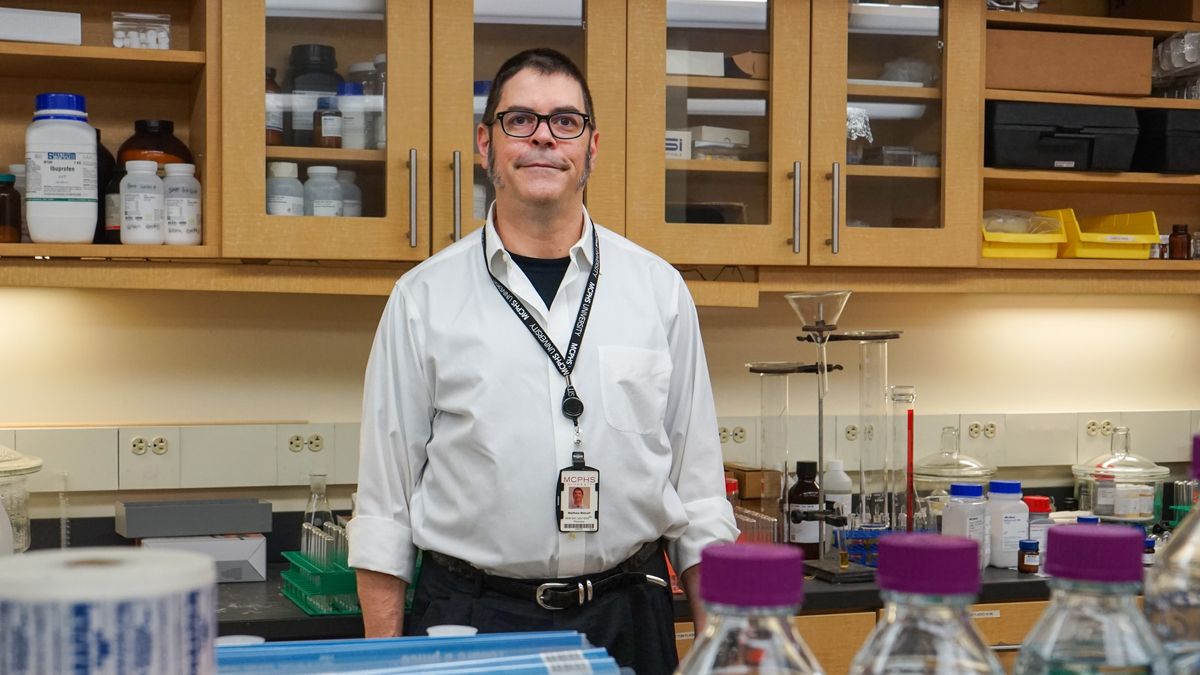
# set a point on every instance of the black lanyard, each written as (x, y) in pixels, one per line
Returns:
(572, 405)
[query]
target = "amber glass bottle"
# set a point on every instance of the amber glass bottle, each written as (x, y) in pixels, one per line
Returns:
(154, 141)
(803, 497)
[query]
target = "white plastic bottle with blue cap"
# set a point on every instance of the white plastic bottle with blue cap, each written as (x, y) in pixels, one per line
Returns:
(62, 179)
(1008, 522)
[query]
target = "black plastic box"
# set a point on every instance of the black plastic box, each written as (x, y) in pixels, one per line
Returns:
(1059, 137)
(1169, 141)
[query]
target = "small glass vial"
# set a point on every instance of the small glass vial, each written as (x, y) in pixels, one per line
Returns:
(142, 204)
(1179, 244)
(10, 210)
(1028, 558)
(1148, 552)
(751, 591)
(927, 583)
(1093, 624)
(182, 204)
(285, 193)
(322, 192)
(327, 123)
(351, 194)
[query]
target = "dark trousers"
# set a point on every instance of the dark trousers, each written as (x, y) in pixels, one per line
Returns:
(635, 624)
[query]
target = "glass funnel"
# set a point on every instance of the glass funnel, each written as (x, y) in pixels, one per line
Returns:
(819, 313)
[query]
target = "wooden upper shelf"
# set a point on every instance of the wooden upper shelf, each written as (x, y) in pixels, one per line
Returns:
(23, 59)
(1087, 24)
(1091, 99)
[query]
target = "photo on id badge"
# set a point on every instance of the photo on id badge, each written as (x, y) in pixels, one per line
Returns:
(579, 501)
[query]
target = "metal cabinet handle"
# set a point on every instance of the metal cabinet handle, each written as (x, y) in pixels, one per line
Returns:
(412, 197)
(795, 207)
(457, 164)
(837, 207)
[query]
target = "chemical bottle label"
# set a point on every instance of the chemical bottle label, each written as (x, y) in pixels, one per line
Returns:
(327, 207)
(282, 205)
(141, 212)
(275, 106)
(1014, 528)
(183, 215)
(112, 212)
(331, 126)
(53, 176)
(805, 532)
(304, 104)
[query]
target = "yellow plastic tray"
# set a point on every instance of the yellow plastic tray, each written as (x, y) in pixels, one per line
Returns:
(1014, 245)
(1121, 236)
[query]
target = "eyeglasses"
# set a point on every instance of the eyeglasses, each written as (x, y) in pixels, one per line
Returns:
(522, 124)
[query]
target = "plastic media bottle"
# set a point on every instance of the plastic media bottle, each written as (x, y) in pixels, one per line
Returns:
(62, 178)
(182, 205)
(142, 204)
(965, 515)
(927, 584)
(351, 194)
(751, 591)
(354, 115)
(1173, 589)
(1008, 522)
(1093, 624)
(285, 194)
(322, 192)
(18, 172)
(838, 490)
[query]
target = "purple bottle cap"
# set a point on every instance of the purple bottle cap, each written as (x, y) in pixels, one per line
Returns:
(752, 575)
(930, 564)
(1099, 553)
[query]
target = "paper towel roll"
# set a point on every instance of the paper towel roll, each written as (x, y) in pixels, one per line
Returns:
(95, 611)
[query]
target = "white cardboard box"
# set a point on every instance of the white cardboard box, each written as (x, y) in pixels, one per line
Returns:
(239, 557)
(737, 137)
(685, 62)
(35, 25)
(679, 144)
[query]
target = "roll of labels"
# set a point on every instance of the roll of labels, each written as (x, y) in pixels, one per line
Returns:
(95, 611)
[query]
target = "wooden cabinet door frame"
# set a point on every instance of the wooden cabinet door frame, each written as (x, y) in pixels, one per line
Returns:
(774, 243)
(955, 243)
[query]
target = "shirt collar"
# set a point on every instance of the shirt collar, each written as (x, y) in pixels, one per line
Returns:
(497, 255)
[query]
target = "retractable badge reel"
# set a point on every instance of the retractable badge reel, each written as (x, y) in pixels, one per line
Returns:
(578, 498)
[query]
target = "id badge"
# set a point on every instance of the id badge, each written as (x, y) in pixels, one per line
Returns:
(577, 503)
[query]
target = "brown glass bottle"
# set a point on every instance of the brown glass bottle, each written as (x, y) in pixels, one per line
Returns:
(106, 166)
(154, 141)
(10, 210)
(803, 497)
(274, 110)
(1178, 245)
(327, 124)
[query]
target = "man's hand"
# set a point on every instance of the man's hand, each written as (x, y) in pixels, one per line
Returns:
(690, 579)
(382, 599)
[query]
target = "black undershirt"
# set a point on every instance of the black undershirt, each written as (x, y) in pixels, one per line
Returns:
(546, 274)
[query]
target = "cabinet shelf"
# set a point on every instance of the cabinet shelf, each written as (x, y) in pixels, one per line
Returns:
(1091, 99)
(1059, 181)
(722, 83)
(1166, 266)
(716, 165)
(873, 171)
(113, 251)
(885, 91)
(1088, 24)
(332, 155)
(20, 59)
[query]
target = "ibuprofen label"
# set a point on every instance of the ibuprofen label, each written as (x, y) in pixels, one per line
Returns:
(54, 176)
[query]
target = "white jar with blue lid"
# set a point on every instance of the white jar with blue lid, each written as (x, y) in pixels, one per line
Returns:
(61, 176)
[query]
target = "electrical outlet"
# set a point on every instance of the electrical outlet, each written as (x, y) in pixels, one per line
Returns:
(315, 443)
(724, 432)
(989, 430)
(145, 464)
(295, 442)
(1106, 427)
(300, 451)
(738, 434)
(1093, 427)
(974, 430)
(138, 445)
(851, 432)
(158, 445)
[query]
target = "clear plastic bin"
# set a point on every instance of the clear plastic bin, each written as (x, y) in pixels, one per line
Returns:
(141, 31)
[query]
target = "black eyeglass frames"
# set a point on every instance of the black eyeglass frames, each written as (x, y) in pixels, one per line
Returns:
(563, 125)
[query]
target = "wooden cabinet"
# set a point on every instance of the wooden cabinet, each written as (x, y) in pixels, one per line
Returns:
(393, 178)
(733, 191)
(471, 41)
(896, 129)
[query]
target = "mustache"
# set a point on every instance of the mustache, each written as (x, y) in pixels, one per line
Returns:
(541, 158)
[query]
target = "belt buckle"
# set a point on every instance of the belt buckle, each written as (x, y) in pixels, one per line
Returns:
(550, 585)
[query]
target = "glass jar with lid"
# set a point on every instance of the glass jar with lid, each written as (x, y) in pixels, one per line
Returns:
(14, 499)
(933, 475)
(1120, 485)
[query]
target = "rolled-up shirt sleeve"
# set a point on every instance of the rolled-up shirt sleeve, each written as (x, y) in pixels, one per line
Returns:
(691, 423)
(396, 426)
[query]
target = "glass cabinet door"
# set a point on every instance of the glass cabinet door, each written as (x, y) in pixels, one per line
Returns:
(326, 129)
(718, 121)
(472, 39)
(895, 175)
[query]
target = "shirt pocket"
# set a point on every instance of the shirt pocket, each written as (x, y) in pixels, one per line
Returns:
(634, 384)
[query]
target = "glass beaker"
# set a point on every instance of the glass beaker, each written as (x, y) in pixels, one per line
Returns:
(875, 437)
(773, 451)
(14, 497)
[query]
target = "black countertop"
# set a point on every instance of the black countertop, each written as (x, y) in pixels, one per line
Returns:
(260, 608)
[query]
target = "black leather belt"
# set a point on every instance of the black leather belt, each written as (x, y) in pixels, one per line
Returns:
(565, 593)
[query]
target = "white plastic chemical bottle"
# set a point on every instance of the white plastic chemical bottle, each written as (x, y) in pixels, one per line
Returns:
(351, 194)
(965, 515)
(182, 204)
(61, 174)
(285, 193)
(142, 204)
(1008, 522)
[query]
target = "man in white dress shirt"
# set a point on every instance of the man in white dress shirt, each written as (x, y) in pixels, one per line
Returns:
(508, 372)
